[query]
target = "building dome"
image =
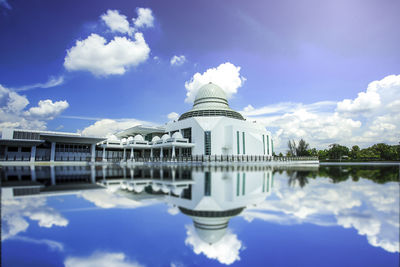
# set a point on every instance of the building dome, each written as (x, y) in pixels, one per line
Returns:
(211, 101)
(155, 139)
(138, 137)
(177, 135)
(165, 137)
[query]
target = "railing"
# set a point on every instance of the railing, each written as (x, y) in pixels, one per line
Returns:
(225, 158)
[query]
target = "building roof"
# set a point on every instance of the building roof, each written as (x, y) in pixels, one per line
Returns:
(211, 101)
(140, 129)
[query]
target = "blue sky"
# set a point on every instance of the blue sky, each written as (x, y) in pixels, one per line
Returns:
(301, 68)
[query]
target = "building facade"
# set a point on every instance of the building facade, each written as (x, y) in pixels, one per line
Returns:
(210, 128)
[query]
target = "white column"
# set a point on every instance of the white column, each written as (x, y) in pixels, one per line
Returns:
(124, 155)
(151, 152)
(33, 173)
(161, 152)
(180, 152)
(92, 174)
(33, 153)
(173, 152)
(104, 153)
(52, 175)
(131, 153)
(53, 151)
(93, 152)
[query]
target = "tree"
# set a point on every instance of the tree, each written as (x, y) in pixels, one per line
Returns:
(302, 148)
(355, 150)
(337, 151)
(292, 148)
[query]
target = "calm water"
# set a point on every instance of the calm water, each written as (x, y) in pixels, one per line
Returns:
(260, 216)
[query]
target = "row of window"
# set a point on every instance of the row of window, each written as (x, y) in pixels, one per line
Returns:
(26, 135)
(72, 148)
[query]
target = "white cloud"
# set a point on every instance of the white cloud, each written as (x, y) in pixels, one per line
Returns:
(5, 4)
(47, 109)
(100, 58)
(145, 18)
(14, 115)
(177, 60)
(108, 127)
(108, 199)
(101, 259)
(117, 22)
(53, 245)
(226, 75)
(52, 82)
(369, 208)
(225, 251)
(16, 211)
(173, 116)
(372, 117)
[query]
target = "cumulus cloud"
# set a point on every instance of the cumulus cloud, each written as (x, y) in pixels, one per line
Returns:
(15, 213)
(101, 259)
(177, 60)
(173, 116)
(52, 82)
(226, 75)
(369, 208)
(225, 251)
(117, 22)
(100, 58)
(145, 18)
(372, 117)
(47, 109)
(14, 115)
(108, 199)
(108, 127)
(5, 4)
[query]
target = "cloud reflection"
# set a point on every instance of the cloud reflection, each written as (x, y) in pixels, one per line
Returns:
(365, 206)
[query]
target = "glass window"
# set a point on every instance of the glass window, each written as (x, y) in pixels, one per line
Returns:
(238, 142)
(207, 143)
(244, 143)
(207, 184)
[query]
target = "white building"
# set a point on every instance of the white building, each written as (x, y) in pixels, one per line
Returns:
(211, 127)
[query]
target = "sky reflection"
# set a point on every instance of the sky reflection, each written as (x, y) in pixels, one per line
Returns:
(195, 217)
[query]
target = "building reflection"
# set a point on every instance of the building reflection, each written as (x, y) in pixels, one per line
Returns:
(211, 196)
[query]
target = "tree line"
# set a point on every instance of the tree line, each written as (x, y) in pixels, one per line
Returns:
(336, 152)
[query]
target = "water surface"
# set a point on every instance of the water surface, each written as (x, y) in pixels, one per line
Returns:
(182, 216)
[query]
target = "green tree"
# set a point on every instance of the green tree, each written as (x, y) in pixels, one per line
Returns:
(337, 151)
(355, 150)
(302, 148)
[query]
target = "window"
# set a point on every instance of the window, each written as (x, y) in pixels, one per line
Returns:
(238, 142)
(207, 143)
(12, 149)
(207, 184)
(25, 149)
(244, 145)
(237, 184)
(187, 133)
(264, 144)
(244, 183)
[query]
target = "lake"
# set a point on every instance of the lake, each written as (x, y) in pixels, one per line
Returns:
(328, 215)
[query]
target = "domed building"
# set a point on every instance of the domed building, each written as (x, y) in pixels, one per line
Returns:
(216, 129)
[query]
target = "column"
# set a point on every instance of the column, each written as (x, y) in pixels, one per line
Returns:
(131, 153)
(151, 152)
(33, 154)
(93, 152)
(104, 154)
(124, 155)
(53, 151)
(180, 152)
(92, 174)
(33, 173)
(173, 152)
(52, 175)
(161, 153)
